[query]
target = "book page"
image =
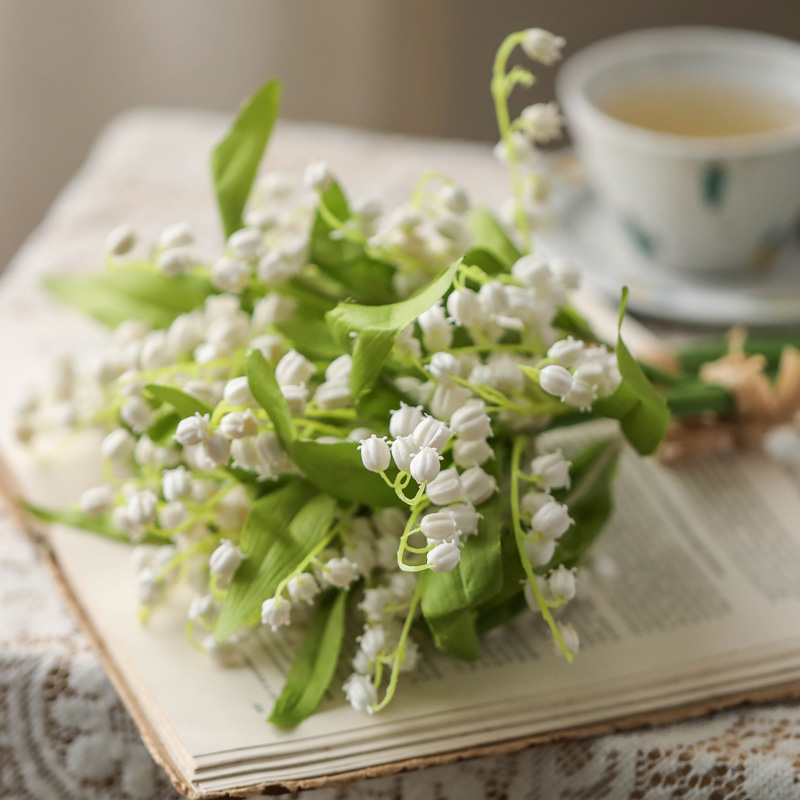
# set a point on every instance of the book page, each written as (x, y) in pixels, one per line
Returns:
(694, 595)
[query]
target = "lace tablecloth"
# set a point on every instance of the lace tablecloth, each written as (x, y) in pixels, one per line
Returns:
(63, 732)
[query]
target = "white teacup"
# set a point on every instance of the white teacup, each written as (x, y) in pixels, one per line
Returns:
(700, 203)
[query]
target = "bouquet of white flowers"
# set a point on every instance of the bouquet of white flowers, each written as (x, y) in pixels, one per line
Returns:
(340, 417)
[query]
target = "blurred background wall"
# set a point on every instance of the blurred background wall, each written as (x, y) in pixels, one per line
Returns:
(418, 66)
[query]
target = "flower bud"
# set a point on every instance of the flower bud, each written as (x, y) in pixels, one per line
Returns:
(239, 424)
(439, 525)
(193, 430)
(296, 396)
(293, 368)
(551, 520)
(570, 638)
(372, 641)
(542, 46)
(141, 507)
(556, 380)
(454, 199)
(464, 307)
(532, 501)
(374, 603)
(431, 432)
(275, 612)
(448, 398)
(568, 272)
(478, 485)
(179, 234)
(566, 352)
(562, 583)
(246, 243)
(471, 453)
(148, 587)
(552, 469)
(389, 523)
(174, 261)
(137, 414)
(540, 551)
(375, 454)
(339, 369)
(471, 422)
(121, 240)
(425, 465)
(217, 449)
(223, 653)
(339, 572)
(224, 562)
(445, 557)
(237, 392)
(533, 271)
(361, 693)
(318, 176)
(404, 420)
(445, 488)
(272, 309)
(230, 275)
(172, 515)
(466, 518)
(493, 297)
(118, 445)
(204, 610)
(332, 394)
(303, 588)
(581, 395)
(437, 333)
(275, 268)
(404, 448)
(444, 365)
(97, 501)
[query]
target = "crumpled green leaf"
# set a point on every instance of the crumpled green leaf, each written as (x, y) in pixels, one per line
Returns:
(314, 665)
(489, 235)
(365, 278)
(377, 328)
(235, 160)
(280, 530)
(131, 293)
(641, 410)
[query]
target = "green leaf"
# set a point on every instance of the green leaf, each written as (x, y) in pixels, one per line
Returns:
(235, 160)
(377, 328)
(280, 530)
(450, 600)
(570, 321)
(590, 500)
(101, 525)
(164, 427)
(311, 337)
(488, 261)
(367, 279)
(490, 235)
(261, 378)
(114, 297)
(315, 664)
(641, 410)
(335, 469)
(183, 403)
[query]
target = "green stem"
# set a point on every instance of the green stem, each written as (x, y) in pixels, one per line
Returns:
(500, 95)
(519, 535)
(400, 656)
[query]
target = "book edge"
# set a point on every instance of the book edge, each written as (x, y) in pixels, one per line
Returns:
(38, 534)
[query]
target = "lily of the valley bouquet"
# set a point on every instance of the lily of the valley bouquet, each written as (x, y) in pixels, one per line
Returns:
(341, 417)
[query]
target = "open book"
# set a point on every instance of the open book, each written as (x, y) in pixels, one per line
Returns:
(692, 604)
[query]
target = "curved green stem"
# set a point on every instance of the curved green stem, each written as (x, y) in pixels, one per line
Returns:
(519, 535)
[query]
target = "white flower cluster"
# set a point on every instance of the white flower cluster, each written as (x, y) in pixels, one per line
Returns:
(579, 374)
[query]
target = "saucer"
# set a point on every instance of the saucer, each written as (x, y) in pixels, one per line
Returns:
(587, 233)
